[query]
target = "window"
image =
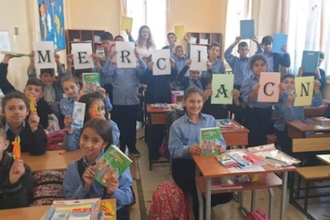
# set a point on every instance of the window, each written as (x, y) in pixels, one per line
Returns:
(152, 13)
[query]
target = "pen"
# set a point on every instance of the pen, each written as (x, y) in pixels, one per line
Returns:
(276, 160)
(304, 121)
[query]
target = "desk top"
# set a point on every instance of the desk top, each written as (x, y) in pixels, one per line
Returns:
(35, 212)
(210, 167)
(51, 160)
(303, 126)
(324, 158)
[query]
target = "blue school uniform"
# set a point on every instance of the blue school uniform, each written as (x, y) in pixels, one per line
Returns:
(73, 186)
(187, 82)
(71, 141)
(274, 60)
(180, 63)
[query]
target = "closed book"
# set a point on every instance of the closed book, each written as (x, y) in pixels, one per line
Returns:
(91, 82)
(247, 29)
(310, 60)
(280, 40)
(14, 53)
(210, 140)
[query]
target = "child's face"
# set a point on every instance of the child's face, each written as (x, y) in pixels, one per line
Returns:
(36, 91)
(214, 52)
(3, 146)
(107, 44)
(145, 33)
(15, 111)
(194, 74)
(288, 84)
(48, 79)
(179, 52)
(258, 67)
(267, 47)
(91, 143)
(71, 89)
(320, 62)
(119, 39)
(101, 108)
(243, 52)
(171, 39)
(193, 104)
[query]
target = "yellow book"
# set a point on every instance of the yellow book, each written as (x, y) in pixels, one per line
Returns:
(126, 23)
(179, 31)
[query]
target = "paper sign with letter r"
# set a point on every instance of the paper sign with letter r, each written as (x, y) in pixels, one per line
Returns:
(125, 55)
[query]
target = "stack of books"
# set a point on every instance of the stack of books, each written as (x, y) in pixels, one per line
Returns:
(226, 123)
(322, 120)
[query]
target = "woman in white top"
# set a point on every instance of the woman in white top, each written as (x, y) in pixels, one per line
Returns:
(144, 44)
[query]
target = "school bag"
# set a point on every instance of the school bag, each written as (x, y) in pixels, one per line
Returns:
(169, 119)
(81, 170)
(256, 215)
(169, 203)
(47, 187)
(55, 140)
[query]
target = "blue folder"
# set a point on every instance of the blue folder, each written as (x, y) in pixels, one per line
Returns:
(247, 29)
(310, 60)
(280, 40)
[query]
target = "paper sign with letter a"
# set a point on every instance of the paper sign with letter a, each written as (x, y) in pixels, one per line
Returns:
(179, 31)
(44, 54)
(304, 90)
(125, 55)
(269, 90)
(222, 87)
(198, 57)
(161, 60)
(126, 23)
(82, 55)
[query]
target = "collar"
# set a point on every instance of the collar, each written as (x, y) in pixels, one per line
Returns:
(95, 162)
(7, 127)
(254, 77)
(201, 116)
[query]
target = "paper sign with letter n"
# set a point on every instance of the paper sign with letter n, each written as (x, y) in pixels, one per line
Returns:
(222, 87)
(82, 55)
(198, 57)
(304, 90)
(125, 55)
(269, 90)
(161, 60)
(44, 54)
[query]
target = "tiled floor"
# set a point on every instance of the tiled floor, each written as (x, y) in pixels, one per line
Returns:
(145, 183)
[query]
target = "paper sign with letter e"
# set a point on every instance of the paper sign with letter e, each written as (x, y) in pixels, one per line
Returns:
(310, 60)
(44, 55)
(179, 31)
(222, 87)
(247, 29)
(126, 23)
(161, 60)
(269, 90)
(198, 57)
(125, 55)
(82, 55)
(280, 40)
(304, 90)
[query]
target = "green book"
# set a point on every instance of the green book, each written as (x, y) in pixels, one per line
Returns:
(111, 165)
(210, 140)
(91, 82)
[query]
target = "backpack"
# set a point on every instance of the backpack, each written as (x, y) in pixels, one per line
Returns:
(55, 140)
(256, 215)
(169, 203)
(169, 119)
(47, 187)
(81, 170)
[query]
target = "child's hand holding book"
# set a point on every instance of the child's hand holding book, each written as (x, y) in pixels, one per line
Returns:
(112, 186)
(195, 150)
(88, 176)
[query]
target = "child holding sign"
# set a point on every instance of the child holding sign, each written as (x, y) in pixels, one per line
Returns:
(16, 181)
(286, 110)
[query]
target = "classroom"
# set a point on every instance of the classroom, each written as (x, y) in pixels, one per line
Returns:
(164, 109)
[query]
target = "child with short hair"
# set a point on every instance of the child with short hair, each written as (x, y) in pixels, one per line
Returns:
(15, 108)
(274, 60)
(171, 39)
(94, 140)
(16, 181)
(286, 110)
(180, 59)
(217, 65)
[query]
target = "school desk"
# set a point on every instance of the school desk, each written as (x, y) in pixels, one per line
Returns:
(35, 212)
(298, 129)
(51, 160)
(211, 168)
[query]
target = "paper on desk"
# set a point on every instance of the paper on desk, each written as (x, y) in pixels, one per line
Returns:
(247, 170)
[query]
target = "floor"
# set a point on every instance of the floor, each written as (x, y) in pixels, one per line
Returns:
(145, 183)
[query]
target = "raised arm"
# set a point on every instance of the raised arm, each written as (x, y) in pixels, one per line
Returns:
(5, 85)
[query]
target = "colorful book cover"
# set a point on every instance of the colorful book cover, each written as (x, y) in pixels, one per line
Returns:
(226, 160)
(111, 165)
(310, 60)
(78, 114)
(226, 123)
(100, 52)
(210, 140)
(91, 81)
(247, 29)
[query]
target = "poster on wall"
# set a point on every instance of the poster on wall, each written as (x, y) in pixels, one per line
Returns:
(51, 21)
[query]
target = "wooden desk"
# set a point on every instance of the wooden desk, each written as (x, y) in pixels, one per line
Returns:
(210, 168)
(35, 212)
(51, 160)
(297, 129)
(325, 158)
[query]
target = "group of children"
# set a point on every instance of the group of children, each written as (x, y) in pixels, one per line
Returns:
(99, 131)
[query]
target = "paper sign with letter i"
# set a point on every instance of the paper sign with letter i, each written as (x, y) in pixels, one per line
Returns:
(179, 31)
(310, 60)
(82, 55)
(44, 54)
(125, 55)
(269, 90)
(161, 60)
(222, 86)
(304, 90)
(198, 57)
(280, 40)
(247, 29)
(126, 23)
